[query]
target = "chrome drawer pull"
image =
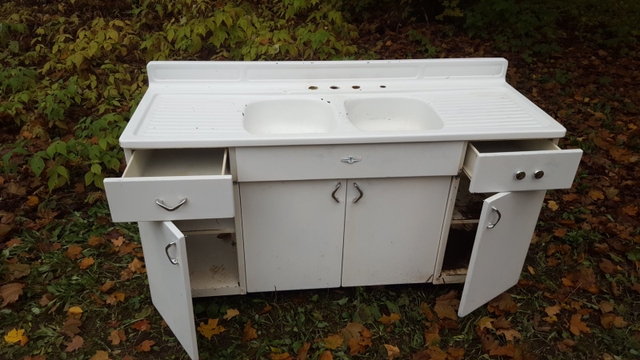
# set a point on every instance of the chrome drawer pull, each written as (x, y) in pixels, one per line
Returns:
(162, 205)
(166, 251)
(351, 159)
(491, 226)
(360, 191)
(333, 194)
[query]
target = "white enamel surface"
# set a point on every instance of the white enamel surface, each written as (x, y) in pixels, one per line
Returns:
(204, 104)
(391, 234)
(392, 114)
(289, 116)
(499, 253)
(169, 284)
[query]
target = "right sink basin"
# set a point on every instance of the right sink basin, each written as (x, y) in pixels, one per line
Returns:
(392, 114)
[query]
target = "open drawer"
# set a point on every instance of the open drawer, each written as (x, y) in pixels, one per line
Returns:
(495, 166)
(172, 184)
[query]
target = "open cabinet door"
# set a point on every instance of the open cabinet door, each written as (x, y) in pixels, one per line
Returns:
(169, 282)
(504, 233)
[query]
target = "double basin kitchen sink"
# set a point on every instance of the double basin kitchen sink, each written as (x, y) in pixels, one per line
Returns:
(314, 116)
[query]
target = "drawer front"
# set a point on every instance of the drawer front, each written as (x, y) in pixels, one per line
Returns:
(134, 198)
(496, 171)
(348, 161)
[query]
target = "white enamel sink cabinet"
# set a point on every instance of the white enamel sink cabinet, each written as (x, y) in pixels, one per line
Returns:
(269, 176)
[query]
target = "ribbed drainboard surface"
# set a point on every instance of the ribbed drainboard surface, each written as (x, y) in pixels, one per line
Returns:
(495, 109)
(192, 114)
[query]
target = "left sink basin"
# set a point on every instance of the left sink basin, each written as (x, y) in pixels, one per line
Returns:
(289, 116)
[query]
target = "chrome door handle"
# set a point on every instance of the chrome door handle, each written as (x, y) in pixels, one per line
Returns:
(490, 225)
(333, 194)
(360, 191)
(174, 261)
(162, 205)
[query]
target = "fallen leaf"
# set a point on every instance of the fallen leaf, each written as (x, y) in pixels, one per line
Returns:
(18, 270)
(145, 346)
(95, 241)
(552, 205)
(596, 195)
(117, 336)
(265, 310)
(507, 350)
(631, 210)
(485, 323)
(432, 335)
(333, 342)
(249, 333)
(326, 355)
(74, 344)
(210, 329)
(32, 201)
(73, 252)
(392, 351)
(455, 353)
(231, 313)
(115, 298)
(610, 320)
(503, 304)
(424, 308)
(605, 307)
(280, 356)
(137, 266)
(86, 263)
(509, 334)
(10, 293)
(358, 338)
(71, 327)
(607, 266)
(117, 242)
(100, 355)
(553, 310)
(577, 326)
(446, 306)
(388, 320)
(16, 336)
(74, 310)
(46, 299)
(107, 286)
(435, 353)
(12, 242)
(635, 287)
(561, 232)
(141, 325)
(303, 350)
(531, 270)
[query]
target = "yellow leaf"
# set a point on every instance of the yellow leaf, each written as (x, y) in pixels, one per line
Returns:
(596, 195)
(100, 355)
(631, 210)
(485, 323)
(115, 298)
(32, 201)
(283, 356)
(388, 320)
(577, 326)
(74, 310)
(552, 205)
(210, 329)
(333, 342)
(231, 313)
(86, 263)
(326, 355)
(249, 333)
(117, 336)
(15, 336)
(392, 351)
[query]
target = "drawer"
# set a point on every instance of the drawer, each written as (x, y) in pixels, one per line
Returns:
(495, 166)
(348, 161)
(172, 184)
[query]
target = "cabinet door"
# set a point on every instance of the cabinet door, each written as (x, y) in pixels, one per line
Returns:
(292, 233)
(169, 283)
(392, 231)
(504, 232)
